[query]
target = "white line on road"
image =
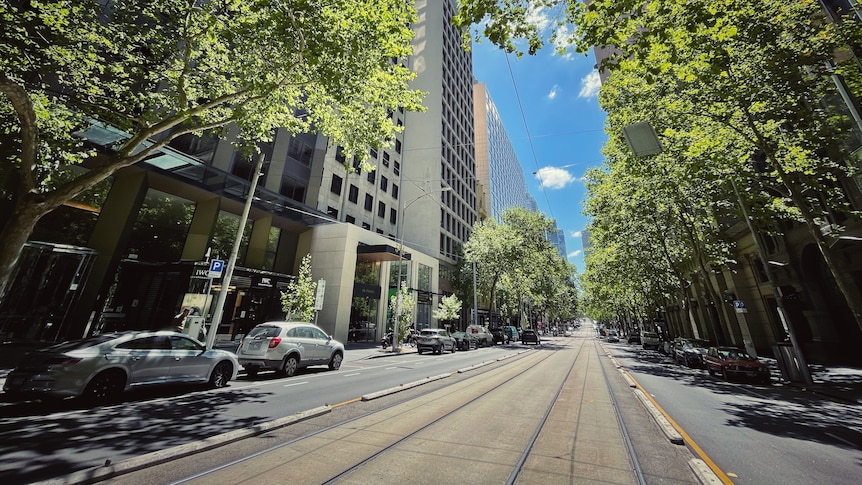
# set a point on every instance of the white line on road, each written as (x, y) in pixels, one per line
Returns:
(349, 375)
(296, 384)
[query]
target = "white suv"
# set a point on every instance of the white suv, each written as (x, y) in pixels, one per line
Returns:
(287, 346)
(483, 336)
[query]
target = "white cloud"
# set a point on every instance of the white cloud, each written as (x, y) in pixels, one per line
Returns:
(554, 178)
(577, 233)
(553, 93)
(590, 85)
(575, 253)
(538, 16)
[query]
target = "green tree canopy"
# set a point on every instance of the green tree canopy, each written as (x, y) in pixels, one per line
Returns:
(163, 69)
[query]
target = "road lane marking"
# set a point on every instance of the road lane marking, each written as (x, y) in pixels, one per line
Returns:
(354, 374)
(296, 384)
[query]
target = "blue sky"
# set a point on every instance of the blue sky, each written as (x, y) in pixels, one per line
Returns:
(549, 106)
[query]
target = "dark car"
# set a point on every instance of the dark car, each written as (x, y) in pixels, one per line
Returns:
(465, 341)
(529, 336)
(689, 351)
(500, 337)
(634, 337)
(732, 362)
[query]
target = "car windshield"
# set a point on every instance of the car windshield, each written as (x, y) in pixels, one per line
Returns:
(81, 344)
(737, 355)
(650, 335)
(430, 333)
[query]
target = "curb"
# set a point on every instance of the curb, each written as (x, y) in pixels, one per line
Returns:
(403, 387)
(669, 431)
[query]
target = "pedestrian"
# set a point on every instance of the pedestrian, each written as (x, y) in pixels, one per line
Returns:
(179, 321)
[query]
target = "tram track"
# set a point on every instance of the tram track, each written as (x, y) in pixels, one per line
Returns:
(422, 440)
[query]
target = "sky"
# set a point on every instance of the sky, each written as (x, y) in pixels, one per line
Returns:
(549, 107)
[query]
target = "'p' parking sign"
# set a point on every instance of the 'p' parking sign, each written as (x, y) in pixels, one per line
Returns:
(216, 268)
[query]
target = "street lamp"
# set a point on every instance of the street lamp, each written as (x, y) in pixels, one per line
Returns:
(231, 262)
(396, 344)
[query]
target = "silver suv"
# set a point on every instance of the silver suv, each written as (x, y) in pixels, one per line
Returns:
(287, 346)
(484, 337)
(436, 340)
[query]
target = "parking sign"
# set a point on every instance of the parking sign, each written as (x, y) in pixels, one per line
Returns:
(216, 268)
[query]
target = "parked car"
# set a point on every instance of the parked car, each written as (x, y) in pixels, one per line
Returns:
(286, 347)
(732, 362)
(512, 332)
(500, 337)
(689, 351)
(465, 341)
(650, 340)
(634, 338)
(482, 334)
(98, 369)
(528, 335)
(436, 340)
(613, 336)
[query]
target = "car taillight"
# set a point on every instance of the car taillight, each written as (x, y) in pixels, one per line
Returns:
(274, 342)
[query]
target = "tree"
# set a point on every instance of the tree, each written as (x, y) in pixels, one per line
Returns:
(403, 319)
(297, 301)
(767, 72)
(164, 69)
(449, 309)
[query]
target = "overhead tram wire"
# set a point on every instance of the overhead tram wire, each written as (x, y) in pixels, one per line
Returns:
(527, 130)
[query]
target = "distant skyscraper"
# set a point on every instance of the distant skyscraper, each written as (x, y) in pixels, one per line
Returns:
(497, 165)
(558, 238)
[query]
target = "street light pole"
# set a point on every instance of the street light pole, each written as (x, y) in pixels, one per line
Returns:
(231, 262)
(396, 344)
(779, 298)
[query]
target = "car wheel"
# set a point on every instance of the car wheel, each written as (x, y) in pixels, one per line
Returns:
(419, 351)
(335, 361)
(251, 371)
(105, 387)
(724, 374)
(221, 374)
(290, 365)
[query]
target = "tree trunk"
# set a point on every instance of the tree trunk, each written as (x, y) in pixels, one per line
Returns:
(14, 235)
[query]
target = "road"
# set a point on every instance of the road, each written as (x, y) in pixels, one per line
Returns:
(757, 434)
(484, 416)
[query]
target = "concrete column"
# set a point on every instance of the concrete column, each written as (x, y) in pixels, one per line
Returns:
(200, 232)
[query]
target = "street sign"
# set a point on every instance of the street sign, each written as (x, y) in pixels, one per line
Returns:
(739, 306)
(318, 295)
(216, 268)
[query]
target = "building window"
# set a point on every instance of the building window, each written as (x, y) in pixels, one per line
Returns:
(372, 176)
(381, 209)
(384, 183)
(366, 225)
(332, 211)
(353, 193)
(350, 220)
(395, 191)
(397, 146)
(369, 202)
(335, 186)
(393, 216)
(385, 159)
(397, 168)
